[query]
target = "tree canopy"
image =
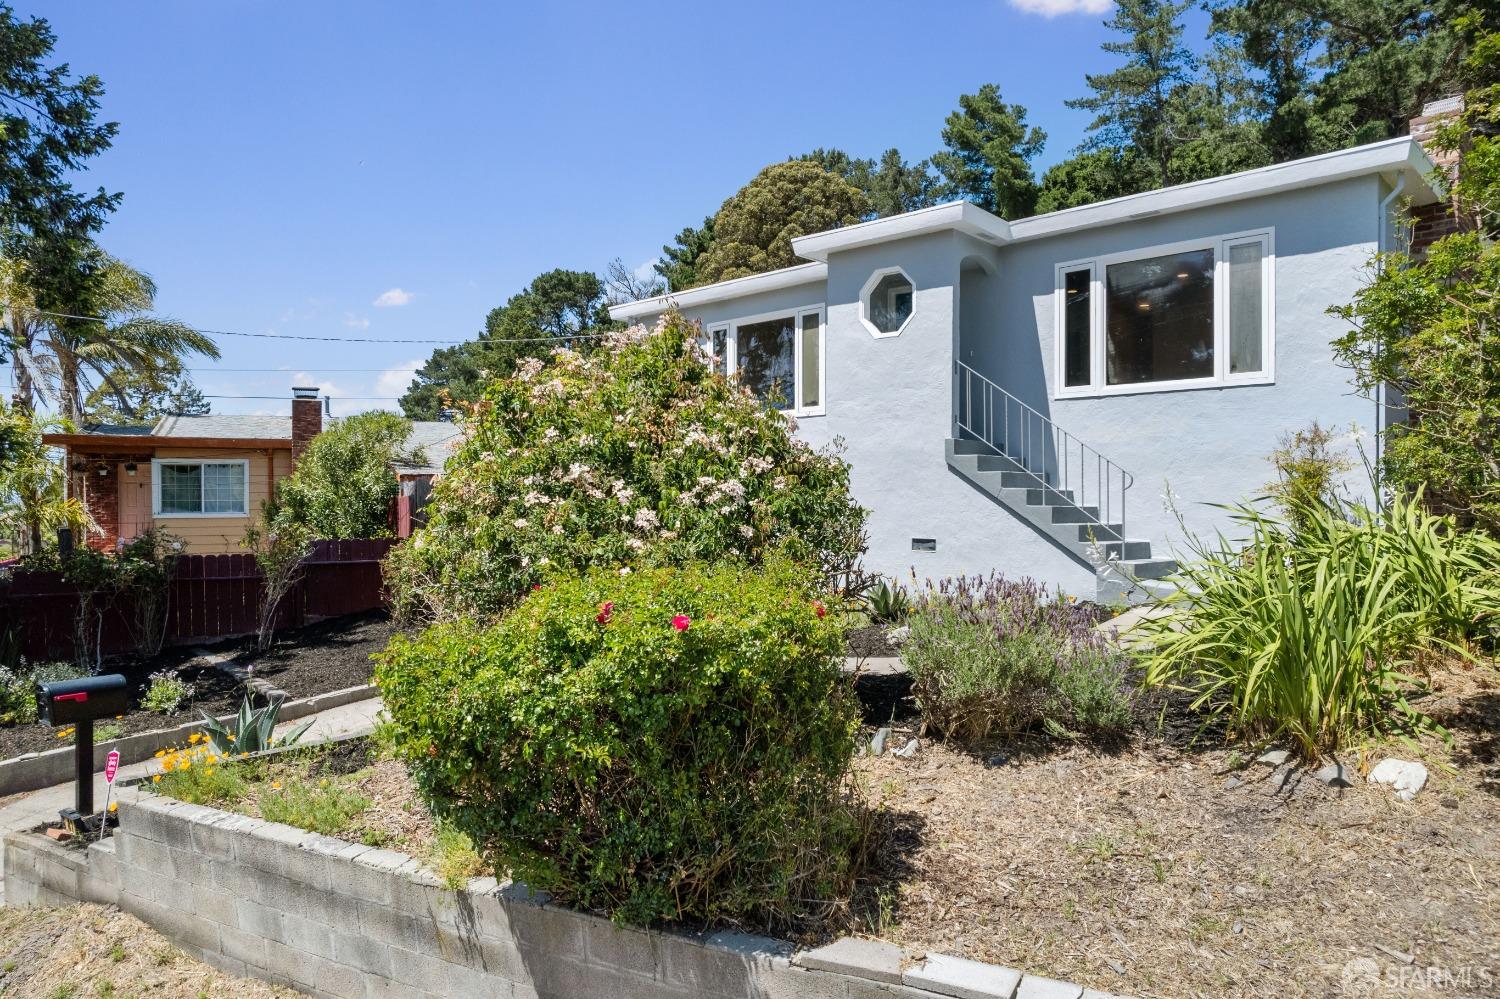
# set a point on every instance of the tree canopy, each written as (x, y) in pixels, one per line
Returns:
(754, 229)
(988, 154)
(557, 309)
(344, 482)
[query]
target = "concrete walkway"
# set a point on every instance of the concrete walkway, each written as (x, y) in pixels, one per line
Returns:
(32, 810)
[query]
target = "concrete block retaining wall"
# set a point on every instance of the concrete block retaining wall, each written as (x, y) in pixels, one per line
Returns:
(335, 919)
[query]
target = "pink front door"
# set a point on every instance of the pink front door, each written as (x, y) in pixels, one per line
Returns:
(135, 500)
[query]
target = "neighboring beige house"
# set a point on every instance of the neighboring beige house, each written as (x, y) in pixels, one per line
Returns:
(203, 478)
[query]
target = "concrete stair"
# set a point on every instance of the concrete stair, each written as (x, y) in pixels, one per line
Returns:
(1124, 567)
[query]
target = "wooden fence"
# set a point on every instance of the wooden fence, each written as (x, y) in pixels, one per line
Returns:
(210, 596)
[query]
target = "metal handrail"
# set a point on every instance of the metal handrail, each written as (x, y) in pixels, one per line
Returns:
(1052, 460)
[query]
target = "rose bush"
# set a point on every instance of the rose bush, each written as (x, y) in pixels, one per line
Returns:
(634, 455)
(671, 744)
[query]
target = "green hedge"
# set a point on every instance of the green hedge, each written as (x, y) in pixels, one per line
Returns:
(665, 744)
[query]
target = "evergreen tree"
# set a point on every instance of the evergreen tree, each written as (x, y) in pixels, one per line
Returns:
(679, 259)
(891, 185)
(1133, 104)
(988, 154)
(560, 308)
(754, 229)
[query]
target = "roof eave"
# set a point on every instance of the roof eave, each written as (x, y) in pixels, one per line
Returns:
(1402, 156)
(139, 441)
(960, 216)
(786, 277)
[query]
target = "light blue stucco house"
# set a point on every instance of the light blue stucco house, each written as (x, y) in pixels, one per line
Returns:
(1017, 396)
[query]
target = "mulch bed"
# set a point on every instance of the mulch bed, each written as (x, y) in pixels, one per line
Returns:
(1146, 871)
(868, 642)
(314, 659)
(318, 658)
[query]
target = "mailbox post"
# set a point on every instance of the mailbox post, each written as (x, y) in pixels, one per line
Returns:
(79, 703)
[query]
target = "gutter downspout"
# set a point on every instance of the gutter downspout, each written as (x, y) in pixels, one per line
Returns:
(1380, 243)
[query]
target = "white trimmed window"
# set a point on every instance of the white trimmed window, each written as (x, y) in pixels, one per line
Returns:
(1182, 316)
(779, 356)
(187, 487)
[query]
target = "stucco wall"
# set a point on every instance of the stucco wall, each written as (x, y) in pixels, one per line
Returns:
(1210, 444)
(890, 401)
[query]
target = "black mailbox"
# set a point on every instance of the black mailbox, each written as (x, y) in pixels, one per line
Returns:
(79, 703)
(68, 702)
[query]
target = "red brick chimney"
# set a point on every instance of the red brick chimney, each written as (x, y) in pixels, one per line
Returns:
(1430, 223)
(307, 418)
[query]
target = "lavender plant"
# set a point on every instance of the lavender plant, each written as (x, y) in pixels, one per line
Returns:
(992, 657)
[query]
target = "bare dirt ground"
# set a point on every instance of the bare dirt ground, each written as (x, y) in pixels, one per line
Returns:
(90, 950)
(1147, 871)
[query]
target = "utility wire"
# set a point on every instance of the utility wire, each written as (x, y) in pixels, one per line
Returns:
(282, 398)
(350, 339)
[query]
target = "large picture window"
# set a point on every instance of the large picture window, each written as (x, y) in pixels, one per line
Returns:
(187, 488)
(1182, 316)
(779, 357)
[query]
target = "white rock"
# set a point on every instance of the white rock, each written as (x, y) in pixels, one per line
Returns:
(897, 636)
(1275, 757)
(1405, 778)
(907, 751)
(877, 744)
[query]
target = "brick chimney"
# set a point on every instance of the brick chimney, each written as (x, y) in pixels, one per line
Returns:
(1430, 223)
(307, 418)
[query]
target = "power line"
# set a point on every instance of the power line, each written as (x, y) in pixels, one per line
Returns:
(282, 398)
(351, 339)
(293, 371)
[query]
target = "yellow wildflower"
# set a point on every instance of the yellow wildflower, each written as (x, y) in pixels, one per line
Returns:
(114, 806)
(160, 753)
(156, 779)
(276, 785)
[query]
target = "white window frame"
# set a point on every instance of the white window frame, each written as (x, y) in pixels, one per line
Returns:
(869, 289)
(1098, 268)
(731, 328)
(156, 465)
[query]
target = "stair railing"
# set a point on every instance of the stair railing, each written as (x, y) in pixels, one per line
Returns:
(996, 418)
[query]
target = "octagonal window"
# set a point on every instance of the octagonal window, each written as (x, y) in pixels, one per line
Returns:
(888, 304)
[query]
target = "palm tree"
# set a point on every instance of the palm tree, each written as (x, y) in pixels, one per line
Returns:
(63, 359)
(33, 495)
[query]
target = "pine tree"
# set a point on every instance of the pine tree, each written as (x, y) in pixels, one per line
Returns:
(989, 153)
(1133, 104)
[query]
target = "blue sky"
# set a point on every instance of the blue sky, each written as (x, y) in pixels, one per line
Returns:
(394, 170)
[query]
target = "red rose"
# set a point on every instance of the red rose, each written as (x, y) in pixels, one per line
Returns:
(681, 622)
(819, 609)
(605, 610)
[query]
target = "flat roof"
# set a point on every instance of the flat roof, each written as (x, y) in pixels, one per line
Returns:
(1402, 156)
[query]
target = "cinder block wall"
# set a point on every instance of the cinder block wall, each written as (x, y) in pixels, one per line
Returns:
(265, 900)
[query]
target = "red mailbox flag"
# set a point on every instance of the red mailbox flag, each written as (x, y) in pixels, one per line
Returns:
(111, 766)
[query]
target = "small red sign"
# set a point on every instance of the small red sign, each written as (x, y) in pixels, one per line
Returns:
(111, 766)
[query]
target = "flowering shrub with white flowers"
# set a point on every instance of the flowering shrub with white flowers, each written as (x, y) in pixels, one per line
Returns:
(671, 744)
(635, 455)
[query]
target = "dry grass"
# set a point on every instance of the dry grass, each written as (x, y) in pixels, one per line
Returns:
(1138, 872)
(90, 951)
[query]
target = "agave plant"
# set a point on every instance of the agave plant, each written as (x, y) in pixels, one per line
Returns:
(888, 604)
(252, 731)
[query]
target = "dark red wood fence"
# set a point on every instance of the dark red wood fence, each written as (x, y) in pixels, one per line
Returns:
(210, 596)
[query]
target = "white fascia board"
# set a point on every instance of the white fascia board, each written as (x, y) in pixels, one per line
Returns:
(1392, 156)
(958, 215)
(786, 277)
